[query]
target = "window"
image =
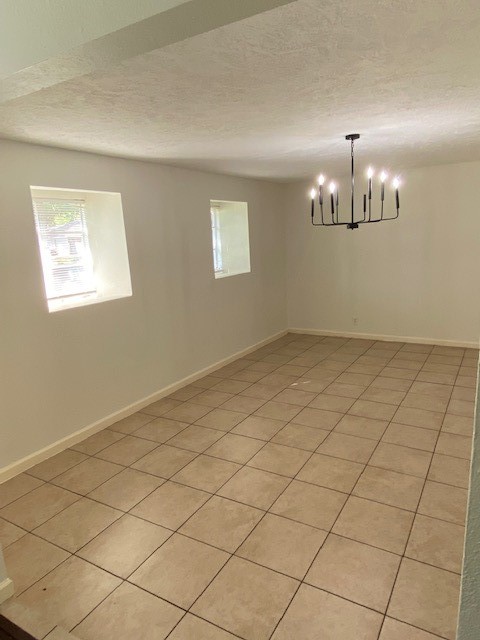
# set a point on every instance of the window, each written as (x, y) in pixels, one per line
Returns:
(82, 245)
(230, 240)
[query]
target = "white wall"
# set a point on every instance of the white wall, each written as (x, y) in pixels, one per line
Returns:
(63, 371)
(415, 277)
(469, 616)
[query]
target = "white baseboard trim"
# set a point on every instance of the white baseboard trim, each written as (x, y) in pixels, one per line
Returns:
(388, 338)
(29, 461)
(6, 589)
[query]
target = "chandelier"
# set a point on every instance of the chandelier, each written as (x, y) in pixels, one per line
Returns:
(331, 219)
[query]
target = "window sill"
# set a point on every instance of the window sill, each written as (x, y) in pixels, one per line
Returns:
(73, 302)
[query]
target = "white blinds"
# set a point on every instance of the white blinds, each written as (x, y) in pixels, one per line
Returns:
(65, 251)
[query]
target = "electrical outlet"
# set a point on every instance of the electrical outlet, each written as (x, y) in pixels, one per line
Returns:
(355, 321)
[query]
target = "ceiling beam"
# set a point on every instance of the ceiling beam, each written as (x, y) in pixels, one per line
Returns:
(168, 27)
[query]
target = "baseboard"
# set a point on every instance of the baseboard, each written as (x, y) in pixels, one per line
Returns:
(29, 461)
(388, 338)
(6, 590)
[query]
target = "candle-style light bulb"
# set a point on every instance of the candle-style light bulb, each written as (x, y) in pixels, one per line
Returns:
(396, 184)
(321, 180)
(383, 177)
(370, 173)
(313, 193)
(332, 204)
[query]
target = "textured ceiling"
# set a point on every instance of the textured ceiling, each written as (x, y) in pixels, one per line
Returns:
(273, 95)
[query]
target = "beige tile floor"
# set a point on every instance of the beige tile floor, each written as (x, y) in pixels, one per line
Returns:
(315, 488)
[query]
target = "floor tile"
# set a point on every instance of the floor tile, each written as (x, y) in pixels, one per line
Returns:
(78, 524)
(296, 397)
(246, 599)
(315, 614)
(160, 430)
(451, 444)
(297, 435)
(32, 621)
(87, 475)
(243, 404)
(221, 419)
(222, 523)
(400, 373)
(389, 487)
(307, 503)
(448, 470)
(254, 487)
(206, 473)
(127, 451)
(426, 597)
(461, 408)
(457, 424)
(376, 524)
(164, 461)
(286, 461)
(97, 442)
(318, 418)
(431, 389)
(126, 489)
(57, 464)
(180, 570)
(393, 384)
(263, 391)
(342, 445)
(170, 505)
(333, 473)
(231, 386)
(278, 410)
(188, 412)
(185, 393)
(430, 403)
(69, 592)
(369, 409)
(377, 394)
(432, 376)
(414, 437)
(212, 398)
(31, 558)
(332, 403)
(444, 501)
(131, 423)
(9, 533)
(17, 487)
(418, 418)
(437, 543)
(38, 506)
(395, 630)
(258, 427)
(160, 407)
(402, 459)
(129, 613)
(196, 439)
(462, 393)
(362, 427)
(355, 571)
(124, 545)
(282, 545)
(361, 379)
(235, 448)
(193, 628)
